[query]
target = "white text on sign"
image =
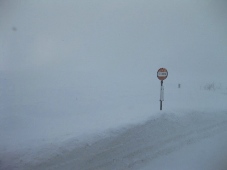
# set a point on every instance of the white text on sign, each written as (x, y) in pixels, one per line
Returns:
(162, 74)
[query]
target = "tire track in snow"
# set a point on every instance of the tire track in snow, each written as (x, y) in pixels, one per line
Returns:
(140, 144)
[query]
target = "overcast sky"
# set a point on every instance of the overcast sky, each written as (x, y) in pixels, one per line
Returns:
(78, 42)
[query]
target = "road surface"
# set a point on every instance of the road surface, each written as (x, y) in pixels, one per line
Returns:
(138, 146)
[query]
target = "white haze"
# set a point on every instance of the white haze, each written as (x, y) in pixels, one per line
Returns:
(55, 43)
(73, 67)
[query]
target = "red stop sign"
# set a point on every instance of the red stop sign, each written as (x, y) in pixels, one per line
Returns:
(162, 74)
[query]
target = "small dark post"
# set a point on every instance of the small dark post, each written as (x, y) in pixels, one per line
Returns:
(179, 86)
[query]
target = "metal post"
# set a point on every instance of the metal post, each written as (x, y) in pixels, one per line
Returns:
(161, 95)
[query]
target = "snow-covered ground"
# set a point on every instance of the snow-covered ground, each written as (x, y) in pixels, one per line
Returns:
(78, 85)
(130, 130)
(209, 153)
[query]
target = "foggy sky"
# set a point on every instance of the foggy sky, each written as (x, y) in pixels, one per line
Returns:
(105, 43)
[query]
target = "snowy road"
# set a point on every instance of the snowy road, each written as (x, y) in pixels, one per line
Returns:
(139, 146)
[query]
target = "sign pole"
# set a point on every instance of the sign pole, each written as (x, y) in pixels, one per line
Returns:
(160, 105)
(161, 95)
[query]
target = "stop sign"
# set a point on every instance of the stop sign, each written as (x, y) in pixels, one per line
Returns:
(162, 74)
